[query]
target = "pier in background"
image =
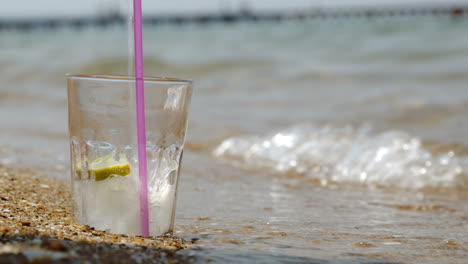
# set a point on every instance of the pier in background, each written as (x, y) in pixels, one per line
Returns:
(234, 17)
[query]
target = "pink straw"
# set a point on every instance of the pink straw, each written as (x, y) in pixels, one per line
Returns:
(140, 111)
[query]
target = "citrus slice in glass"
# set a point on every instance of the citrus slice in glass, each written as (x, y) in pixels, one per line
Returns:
(105, 167)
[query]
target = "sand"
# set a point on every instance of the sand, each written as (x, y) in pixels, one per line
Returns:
(36, 226)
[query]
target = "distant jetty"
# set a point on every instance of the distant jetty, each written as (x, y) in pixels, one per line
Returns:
(233, 17)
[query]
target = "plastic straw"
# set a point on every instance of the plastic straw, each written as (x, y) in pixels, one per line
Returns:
(140, 111)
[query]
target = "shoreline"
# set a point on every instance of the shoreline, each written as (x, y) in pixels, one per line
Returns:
(36, 226)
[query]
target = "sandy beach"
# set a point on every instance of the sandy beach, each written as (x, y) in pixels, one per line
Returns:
(36, 227)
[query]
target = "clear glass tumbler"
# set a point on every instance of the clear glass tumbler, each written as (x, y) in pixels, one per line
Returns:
(104, 155)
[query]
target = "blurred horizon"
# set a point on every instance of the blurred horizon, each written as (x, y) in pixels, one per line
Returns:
(54, 8)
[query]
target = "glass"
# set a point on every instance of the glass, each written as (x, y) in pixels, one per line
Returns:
(104, 156)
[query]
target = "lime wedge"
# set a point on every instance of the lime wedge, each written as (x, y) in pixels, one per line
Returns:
(105, 167)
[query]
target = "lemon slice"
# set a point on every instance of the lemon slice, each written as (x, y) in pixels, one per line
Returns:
(105, 167)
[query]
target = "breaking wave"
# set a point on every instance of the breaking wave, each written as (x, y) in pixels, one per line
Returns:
(348, 154)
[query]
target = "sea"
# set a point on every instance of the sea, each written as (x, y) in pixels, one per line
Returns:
(314, 141)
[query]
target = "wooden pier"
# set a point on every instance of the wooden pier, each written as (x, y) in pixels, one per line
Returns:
(228, 18)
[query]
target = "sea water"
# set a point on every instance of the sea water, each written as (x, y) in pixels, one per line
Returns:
(113, 204)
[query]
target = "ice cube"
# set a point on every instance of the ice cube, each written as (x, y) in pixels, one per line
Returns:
(98, 149)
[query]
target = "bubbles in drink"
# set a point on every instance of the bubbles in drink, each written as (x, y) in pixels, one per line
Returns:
(113, 203)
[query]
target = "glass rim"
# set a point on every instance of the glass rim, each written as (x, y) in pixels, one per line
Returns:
(116, 77)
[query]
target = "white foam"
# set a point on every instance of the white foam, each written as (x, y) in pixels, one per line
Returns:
(347, 154)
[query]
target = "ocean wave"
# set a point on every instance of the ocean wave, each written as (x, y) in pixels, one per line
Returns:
(348, 154)
(20, 72)
(119, 65)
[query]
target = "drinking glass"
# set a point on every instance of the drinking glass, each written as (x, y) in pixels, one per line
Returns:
(104, 155)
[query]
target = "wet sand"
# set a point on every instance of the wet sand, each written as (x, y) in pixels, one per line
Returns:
(36, 227)
(246, 217)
